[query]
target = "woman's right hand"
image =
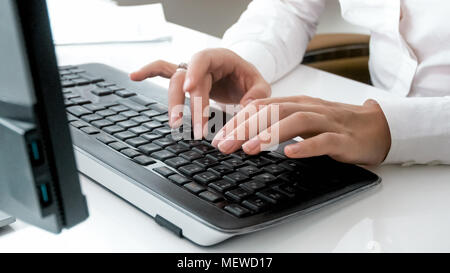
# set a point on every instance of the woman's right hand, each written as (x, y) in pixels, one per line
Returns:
(219, 74)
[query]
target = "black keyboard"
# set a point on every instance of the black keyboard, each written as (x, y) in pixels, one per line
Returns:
(136, 127)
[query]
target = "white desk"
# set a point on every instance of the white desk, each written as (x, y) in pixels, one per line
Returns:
(408, 212)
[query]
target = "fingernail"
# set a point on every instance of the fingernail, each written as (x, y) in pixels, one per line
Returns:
(226, 145)
(198, 131)
(187, 85)
(219, 137)
(292, 149)
(251, 145)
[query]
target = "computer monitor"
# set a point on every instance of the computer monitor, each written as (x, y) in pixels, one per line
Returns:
(38, 177)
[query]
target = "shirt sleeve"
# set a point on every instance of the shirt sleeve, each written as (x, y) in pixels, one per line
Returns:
(273, 34)
(420, 130)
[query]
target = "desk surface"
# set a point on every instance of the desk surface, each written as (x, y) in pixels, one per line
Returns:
(408, 212)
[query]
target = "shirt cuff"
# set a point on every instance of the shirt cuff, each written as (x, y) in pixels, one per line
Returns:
(258, 55)
(418, 134)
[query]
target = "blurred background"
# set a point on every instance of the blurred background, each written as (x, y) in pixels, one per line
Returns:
(215, 16)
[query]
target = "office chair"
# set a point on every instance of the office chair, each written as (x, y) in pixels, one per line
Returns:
(346, 55)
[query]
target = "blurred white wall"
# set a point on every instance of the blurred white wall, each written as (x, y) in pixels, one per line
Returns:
(215, 16)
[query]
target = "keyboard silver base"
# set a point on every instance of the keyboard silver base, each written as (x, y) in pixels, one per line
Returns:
(149, 202)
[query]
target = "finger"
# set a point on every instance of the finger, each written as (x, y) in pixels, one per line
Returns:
(298, 124)
(323, 144)
(157, 68)
(200, 106)
(176, 98)
(215, 62)
(260, 90)
(266, 116)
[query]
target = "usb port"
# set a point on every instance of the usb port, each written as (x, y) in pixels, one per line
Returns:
(36, 153)
(44, 194)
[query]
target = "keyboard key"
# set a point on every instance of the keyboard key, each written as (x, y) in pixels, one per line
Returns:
(162, 155)
(119, 108)
(91, 118)
(113, 129)
(237, 210)
(78, 111)
(190, 143)
(137, 141)
(221, 185)
(141, 119)
(101, 92)
(204, 149)
(90, 130)
(116, 118)
(253, 186)
(116, 88)
(179, 179)
(221, 169)
(205, 177)
(274, 157)
(164, 171)
(292, 191)
(151, 137)
(67, 83)
(162, 109)
(164, 142)
(177, 149)
(144, 160)
(190, 169)
(161, 119)
(163, 131)
(130, 114)
(291, 165)
(194, 187)
(133, 105)
(250, 170)
(152, 125)
(191, 155)
(118, 146)
(78, 124)
(211, 196)
(149, 148)
(105, 84)
(236, 177)
(271, 196)
(105, 139)
(240, 154)
(233, 162)
(139, 130)
(274, 169)
(218, 156)
(265, 177)
(68, 103)
(131, 153)
(71, 96)
(80, 101)
(258, 161)
(106, 113)
(237, 194)
(177, 162)
(143, 100)
(256, 204)
(127, 124)
(206, 162)
(102, 123)
(124, 93)
(124, 135)
(151, 113)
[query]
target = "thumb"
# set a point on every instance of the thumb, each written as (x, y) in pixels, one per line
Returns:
(258, 91)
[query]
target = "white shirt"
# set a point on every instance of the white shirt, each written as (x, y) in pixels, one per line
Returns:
(409, 56)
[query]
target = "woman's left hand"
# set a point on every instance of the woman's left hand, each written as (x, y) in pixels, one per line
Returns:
(347, 133)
